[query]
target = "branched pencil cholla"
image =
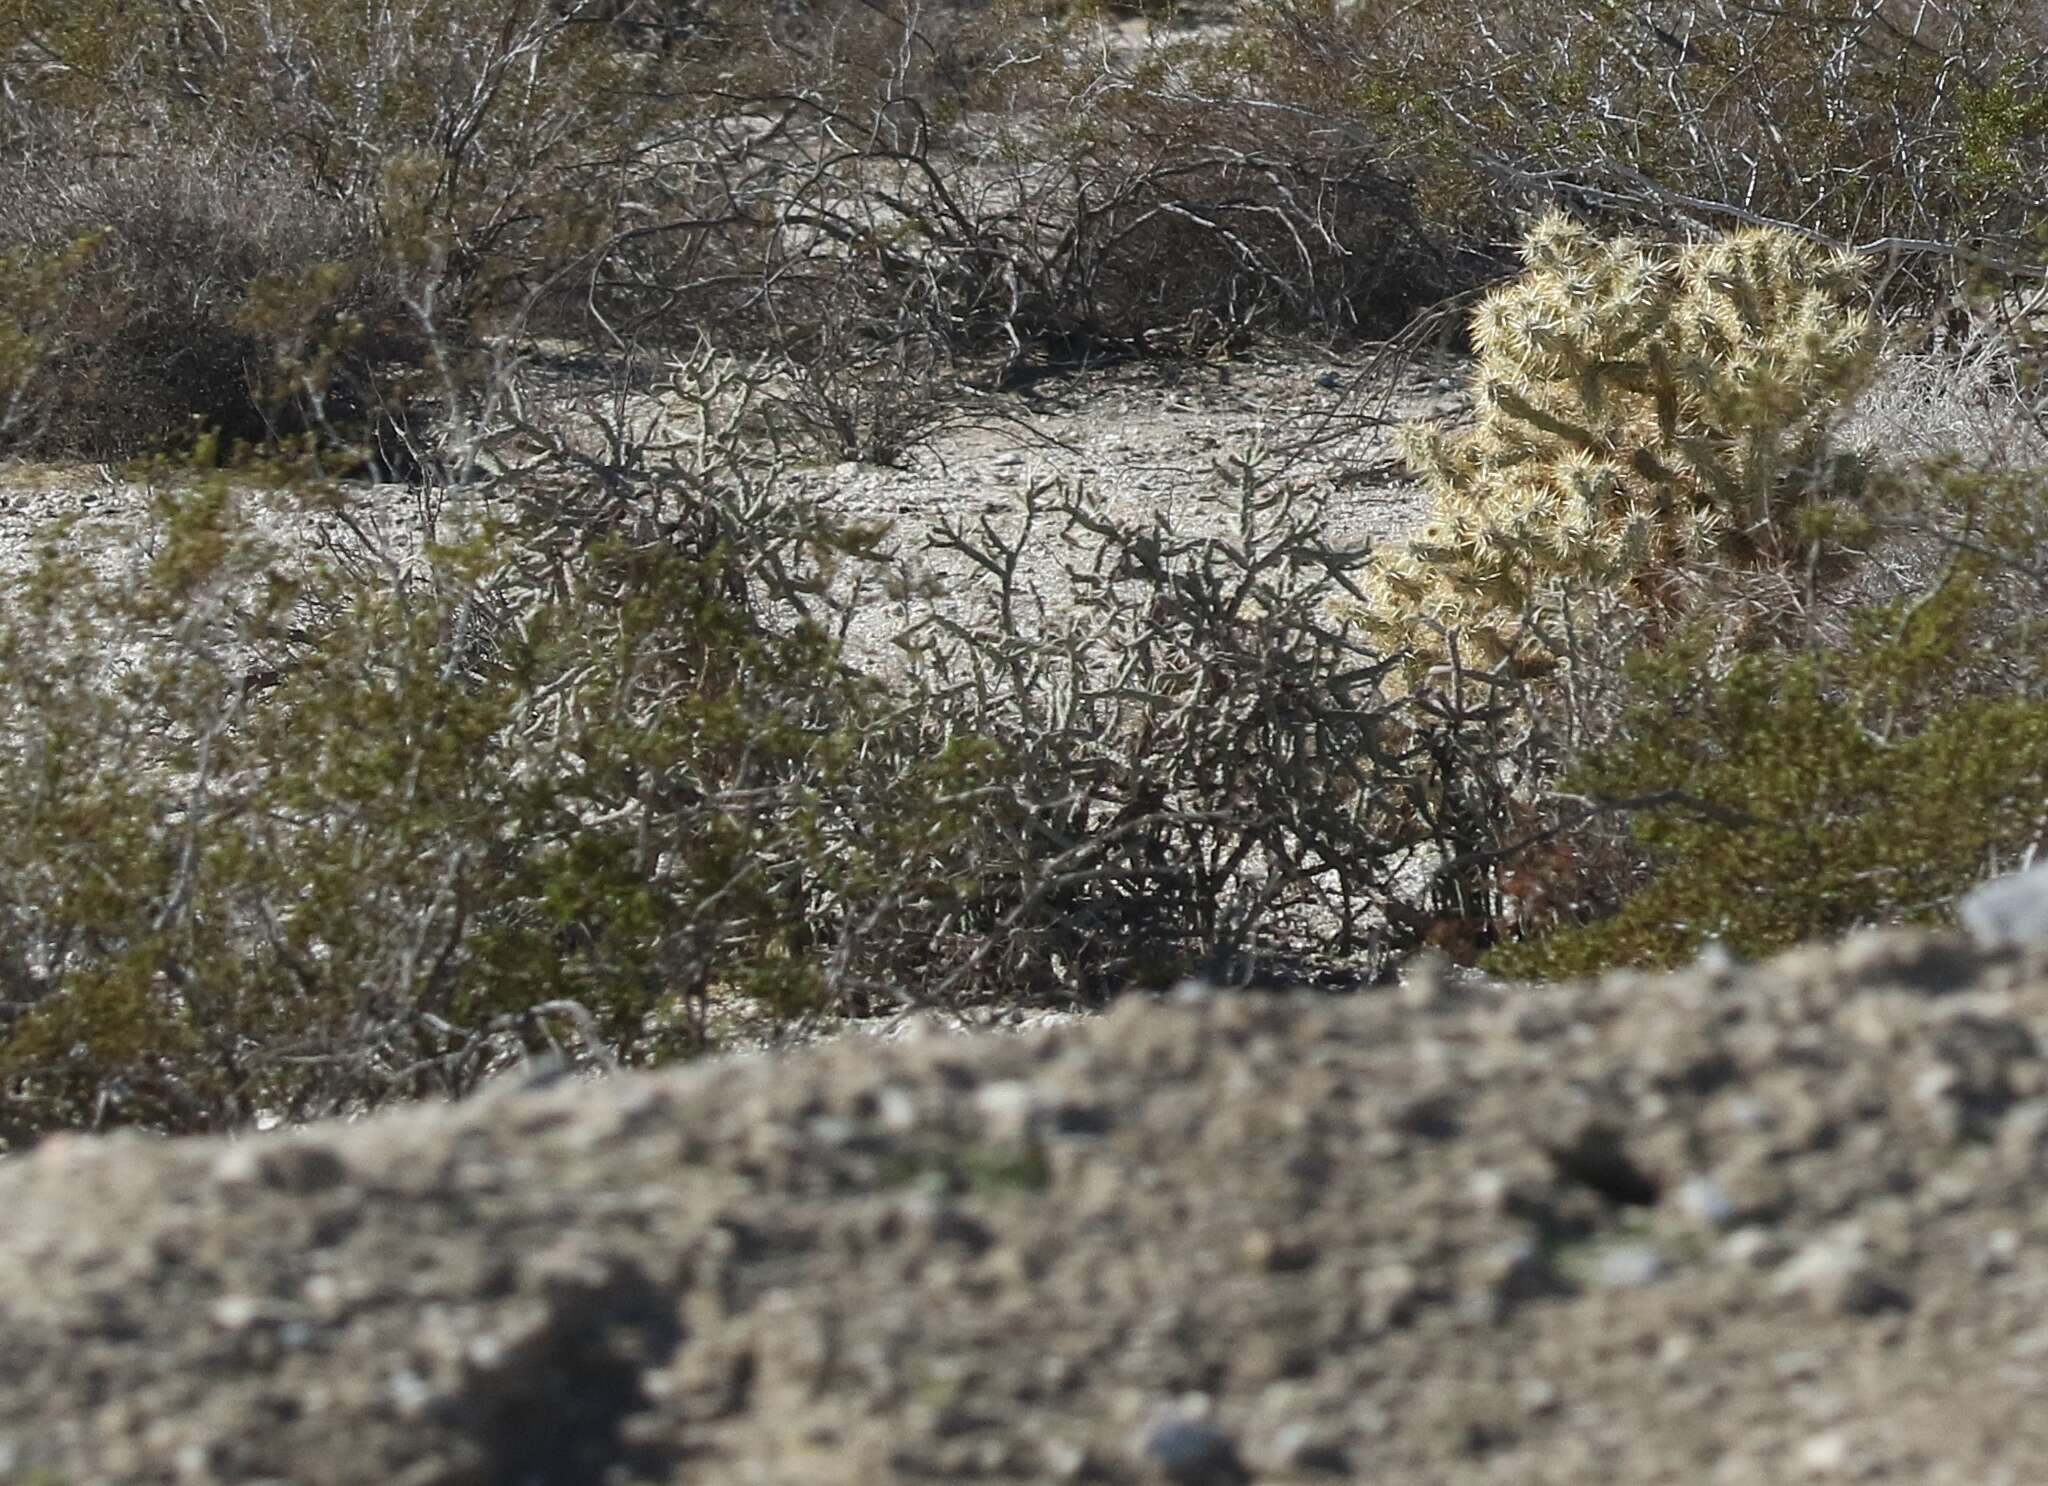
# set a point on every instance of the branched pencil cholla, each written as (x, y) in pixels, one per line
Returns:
(1640, 410)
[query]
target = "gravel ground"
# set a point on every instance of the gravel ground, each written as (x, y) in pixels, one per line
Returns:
(1147, 439)
(1736, 1225)
(1142, 436)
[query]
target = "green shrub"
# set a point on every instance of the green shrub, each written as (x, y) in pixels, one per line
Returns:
(290, 836)
(1798, 794)
(288, 830)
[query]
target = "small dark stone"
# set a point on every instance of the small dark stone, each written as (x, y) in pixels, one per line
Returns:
(302, 1168)
(1192, 1452)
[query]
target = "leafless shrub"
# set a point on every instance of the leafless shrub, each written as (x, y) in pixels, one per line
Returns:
(1906, 129)
(152, 338)
(1969, 401)
(1217, 774)
(869, 390)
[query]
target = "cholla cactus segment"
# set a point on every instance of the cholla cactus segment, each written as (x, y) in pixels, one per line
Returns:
(1639, 410)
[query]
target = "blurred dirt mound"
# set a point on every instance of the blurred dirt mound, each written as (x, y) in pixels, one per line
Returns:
(1770, 1224)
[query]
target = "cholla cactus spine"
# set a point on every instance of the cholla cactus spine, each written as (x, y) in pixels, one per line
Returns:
(1639, 411)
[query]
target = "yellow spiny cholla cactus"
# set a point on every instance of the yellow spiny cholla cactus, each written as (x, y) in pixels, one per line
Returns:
(1640, 410)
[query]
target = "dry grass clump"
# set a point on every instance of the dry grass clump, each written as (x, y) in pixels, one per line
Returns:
(1970, 401)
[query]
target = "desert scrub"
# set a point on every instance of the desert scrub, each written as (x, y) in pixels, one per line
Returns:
(290, 829)
(1641, 412)
(288, 836)
(32, 305)
(1918, 127)
(1795, 794)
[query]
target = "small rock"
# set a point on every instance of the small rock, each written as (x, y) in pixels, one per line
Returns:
(1310, 1449)
(237, 1312)
(293, 1164)
(1194, 1452)
(896, 1107)
(1935, 1084)
(1752, 1249)
(1919, 961)
(1998, 1251)
(1835, 1276)
(409, 1393)
(835, 1130)
(2008, 910)
(1627, 1267)
(935, 1219)
(1392, 1293)
(1826, 1454)
(1425, 981)
(1706, 1201)
(1952, 1190)
(1508, 1273)
(1537, 1396)
(1715, 959)
(1796, 1364)
(2023, 1132)
(1276, 1253)
(1066, 1462)
(1011, 1107)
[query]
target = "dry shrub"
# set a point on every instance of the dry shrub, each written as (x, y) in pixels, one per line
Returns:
(284, 189)
(291, 829)
(155, 335)
(1861, 122)
(1006, 181)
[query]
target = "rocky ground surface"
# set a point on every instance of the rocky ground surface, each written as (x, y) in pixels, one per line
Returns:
(1147, 440)
(1760, 1224)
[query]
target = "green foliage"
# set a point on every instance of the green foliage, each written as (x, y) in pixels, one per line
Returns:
(2003, 131)
(1801, 794)
(1640, 412)
(36, 288)
(286, 836)
(291, 831)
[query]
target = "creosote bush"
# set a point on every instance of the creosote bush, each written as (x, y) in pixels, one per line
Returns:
(1794, 794)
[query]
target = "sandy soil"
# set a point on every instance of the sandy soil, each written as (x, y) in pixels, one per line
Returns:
(1768, 1225)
